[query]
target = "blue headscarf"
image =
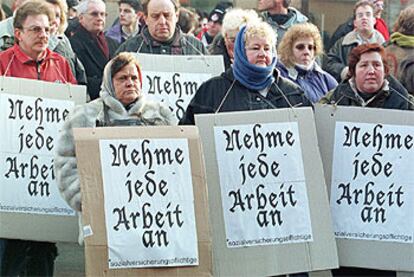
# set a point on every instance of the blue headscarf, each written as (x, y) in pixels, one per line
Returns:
(251, 76)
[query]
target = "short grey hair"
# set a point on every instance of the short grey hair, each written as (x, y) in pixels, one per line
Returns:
(82, 8)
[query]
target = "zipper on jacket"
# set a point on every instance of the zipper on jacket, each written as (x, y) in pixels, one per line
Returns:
(38, 69)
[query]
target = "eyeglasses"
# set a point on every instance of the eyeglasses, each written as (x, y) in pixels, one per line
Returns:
(37, 29)
(97, 14)
(302, 47)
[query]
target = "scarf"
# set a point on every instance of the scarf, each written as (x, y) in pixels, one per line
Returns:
(102, 44)
(249, 75)
(402, 40)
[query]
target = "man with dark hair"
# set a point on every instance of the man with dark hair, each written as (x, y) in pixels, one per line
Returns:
(215, 22)
(128, 25)
(280, 15)
(348, 26)
(363, 33)
(93, 48)
(161, 35)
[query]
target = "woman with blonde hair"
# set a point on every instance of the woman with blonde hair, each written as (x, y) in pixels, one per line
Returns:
(59, 43)
(298, 50)
(252, 83)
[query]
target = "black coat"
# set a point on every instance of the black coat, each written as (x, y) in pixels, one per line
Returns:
(396, 97)
(211, 93)
(93, 59)
(218, 47)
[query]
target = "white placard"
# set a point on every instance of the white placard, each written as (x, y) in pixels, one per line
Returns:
(149, 203)
(372, 196)
(262, 184)
(175, 89)
(30, 127)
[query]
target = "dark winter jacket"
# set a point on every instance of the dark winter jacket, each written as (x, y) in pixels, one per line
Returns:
(348, 26)
(337, 58)
(212, 94)
(92, 58)
(392, 96)
(218, 47)
(182, 44)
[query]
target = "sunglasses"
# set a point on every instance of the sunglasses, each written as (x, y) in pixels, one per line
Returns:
(302, 47)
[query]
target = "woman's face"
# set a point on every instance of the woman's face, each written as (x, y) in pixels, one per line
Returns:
(54, 26)
(369, 73)
(304, 51)
(126, 84)
(259, 51)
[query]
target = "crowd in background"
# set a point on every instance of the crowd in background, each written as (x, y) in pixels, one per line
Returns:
(274, 57)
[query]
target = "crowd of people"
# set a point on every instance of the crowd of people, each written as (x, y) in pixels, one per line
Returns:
(274, 58)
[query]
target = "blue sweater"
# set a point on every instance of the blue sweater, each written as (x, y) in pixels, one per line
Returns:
(315, 82)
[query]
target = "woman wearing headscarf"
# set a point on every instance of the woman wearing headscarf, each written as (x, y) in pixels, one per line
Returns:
(252, 83)
(121, 103)
(298, 50)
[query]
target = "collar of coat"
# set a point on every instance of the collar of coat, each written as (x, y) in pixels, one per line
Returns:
(150, 112)
(352, 38)
(23, 58)
(353, 92)
(176, 39)
(293, 73)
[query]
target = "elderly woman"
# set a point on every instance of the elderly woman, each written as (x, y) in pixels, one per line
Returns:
(368, 83)
(121, 102)
(223, 44)
(252, 83)
(59, 43)
(298, 50)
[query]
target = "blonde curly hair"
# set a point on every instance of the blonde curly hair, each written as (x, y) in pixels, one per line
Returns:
(260, 29)
(298, 31)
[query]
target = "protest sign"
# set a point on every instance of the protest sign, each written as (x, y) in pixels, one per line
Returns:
(144, 200)
(367, 155)
(265, 177)
(175, 79)
(33, 114)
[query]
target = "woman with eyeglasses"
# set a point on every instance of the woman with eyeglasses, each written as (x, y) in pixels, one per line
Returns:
(252, 83)
(298, 50)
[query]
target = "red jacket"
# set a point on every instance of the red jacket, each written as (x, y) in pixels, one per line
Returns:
(52, 68)
(381, 27)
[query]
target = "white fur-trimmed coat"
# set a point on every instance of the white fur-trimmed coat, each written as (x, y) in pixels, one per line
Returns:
(149, 112)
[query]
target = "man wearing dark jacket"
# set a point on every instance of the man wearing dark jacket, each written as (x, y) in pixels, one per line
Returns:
(348, 26)
(225, 94)
(364, 33)
(90, 44)
(161, 34)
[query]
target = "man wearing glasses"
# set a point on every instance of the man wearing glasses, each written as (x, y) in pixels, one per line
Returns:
(92, 47)
(363, 33)
(30, 58)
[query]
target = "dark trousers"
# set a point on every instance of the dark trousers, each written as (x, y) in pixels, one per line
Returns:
(27, 258)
